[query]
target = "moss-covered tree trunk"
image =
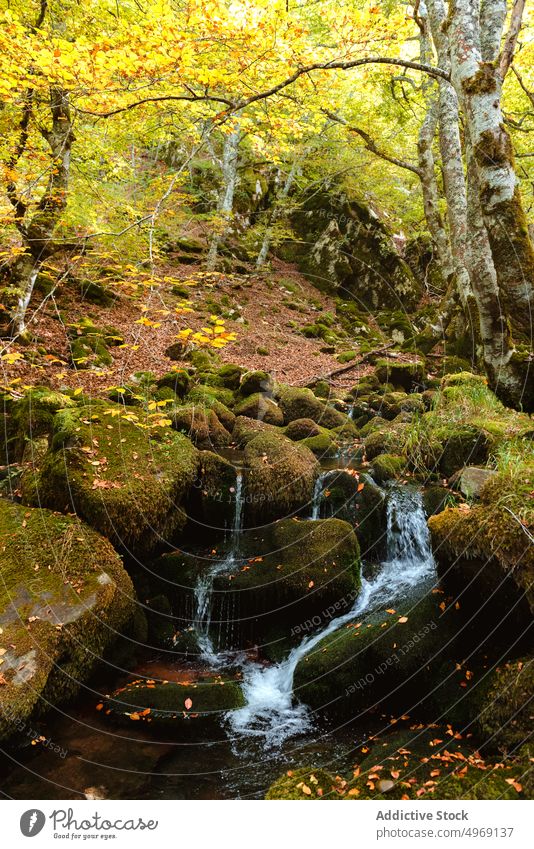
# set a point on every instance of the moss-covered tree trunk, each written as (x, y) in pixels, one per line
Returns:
(479, 85)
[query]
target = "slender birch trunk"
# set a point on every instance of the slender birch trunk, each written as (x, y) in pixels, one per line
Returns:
(225, 204)
(266, 244)
(479, 84)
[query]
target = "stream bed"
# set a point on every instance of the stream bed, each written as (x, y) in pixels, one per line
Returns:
(77, 753)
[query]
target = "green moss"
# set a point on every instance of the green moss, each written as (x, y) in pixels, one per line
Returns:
(201, 424)
(322, 445)
(384, 656)
(230, 375)
(301, 429)
(123, 480)
(280, 476)
(255, 381)
(32, 417)
(309, 571)
(303, 404)
(212, 503)
(259, 406)
(346, 356)
(64, 596)
(387, 466)
(163, 703)
(178, 381)
(403, 375)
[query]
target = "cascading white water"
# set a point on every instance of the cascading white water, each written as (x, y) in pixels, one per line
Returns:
(204, 585)
(270, 712)
(317, 496)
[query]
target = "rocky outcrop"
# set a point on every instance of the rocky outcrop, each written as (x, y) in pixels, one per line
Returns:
(343, 247)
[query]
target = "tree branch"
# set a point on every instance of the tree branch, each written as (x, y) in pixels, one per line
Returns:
(510, 42)
(529, 94)
(238, 105)
(371, 145)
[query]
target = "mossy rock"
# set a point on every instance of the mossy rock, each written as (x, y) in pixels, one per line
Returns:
(259, 406)
(225, 415)
(462, 445)
(126, 482)
(395, 403)
(386, 467)
(359, 501)
(166, 703)
(96, 293)
(302, 429)
(178, 381)
(388, 659)
(436, 499)
(463, 378)
(402, 375)
(200, 424)
(298, 403)
(308, 571)
(245, 430)
(505, 712)
(322, 445)
(230, 375)
(409, 765)
(255, 381)
(486, 560)
(31, 417)
(382, 440)
(211, 505)
(321, 389)
(203, 394)
(64, 598)
(161, 629)
(279, 477)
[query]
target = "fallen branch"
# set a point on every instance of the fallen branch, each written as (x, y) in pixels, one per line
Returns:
(349, 367)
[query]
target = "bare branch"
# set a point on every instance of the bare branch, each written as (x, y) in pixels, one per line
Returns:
(510, 42)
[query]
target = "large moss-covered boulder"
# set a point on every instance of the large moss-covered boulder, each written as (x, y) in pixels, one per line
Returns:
(298, 403)
(390, 657)
(279, 477)
(171, 704)
(485, 556)
(245, 430)
(292, 579)
(386, 467)
(344, 247)
(211, 505)
(261, 407)
(64, 597)
(201, 424)
(124, 481)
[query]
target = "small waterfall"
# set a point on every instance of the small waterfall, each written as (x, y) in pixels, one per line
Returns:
(204, 586)
(318, 495)
(270, 712)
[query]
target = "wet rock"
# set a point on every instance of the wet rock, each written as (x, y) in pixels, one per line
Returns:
(471, 479)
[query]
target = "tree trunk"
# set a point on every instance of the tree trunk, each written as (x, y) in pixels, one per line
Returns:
(264, 250)
(225, 205)
(38, 233)
(451, 156)
(426, 162)
(479, 86)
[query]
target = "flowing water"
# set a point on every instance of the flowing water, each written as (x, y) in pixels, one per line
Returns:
(271, 733)
(271, 712)
(204, 587)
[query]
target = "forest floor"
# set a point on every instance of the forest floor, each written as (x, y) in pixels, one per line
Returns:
(265, 310)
